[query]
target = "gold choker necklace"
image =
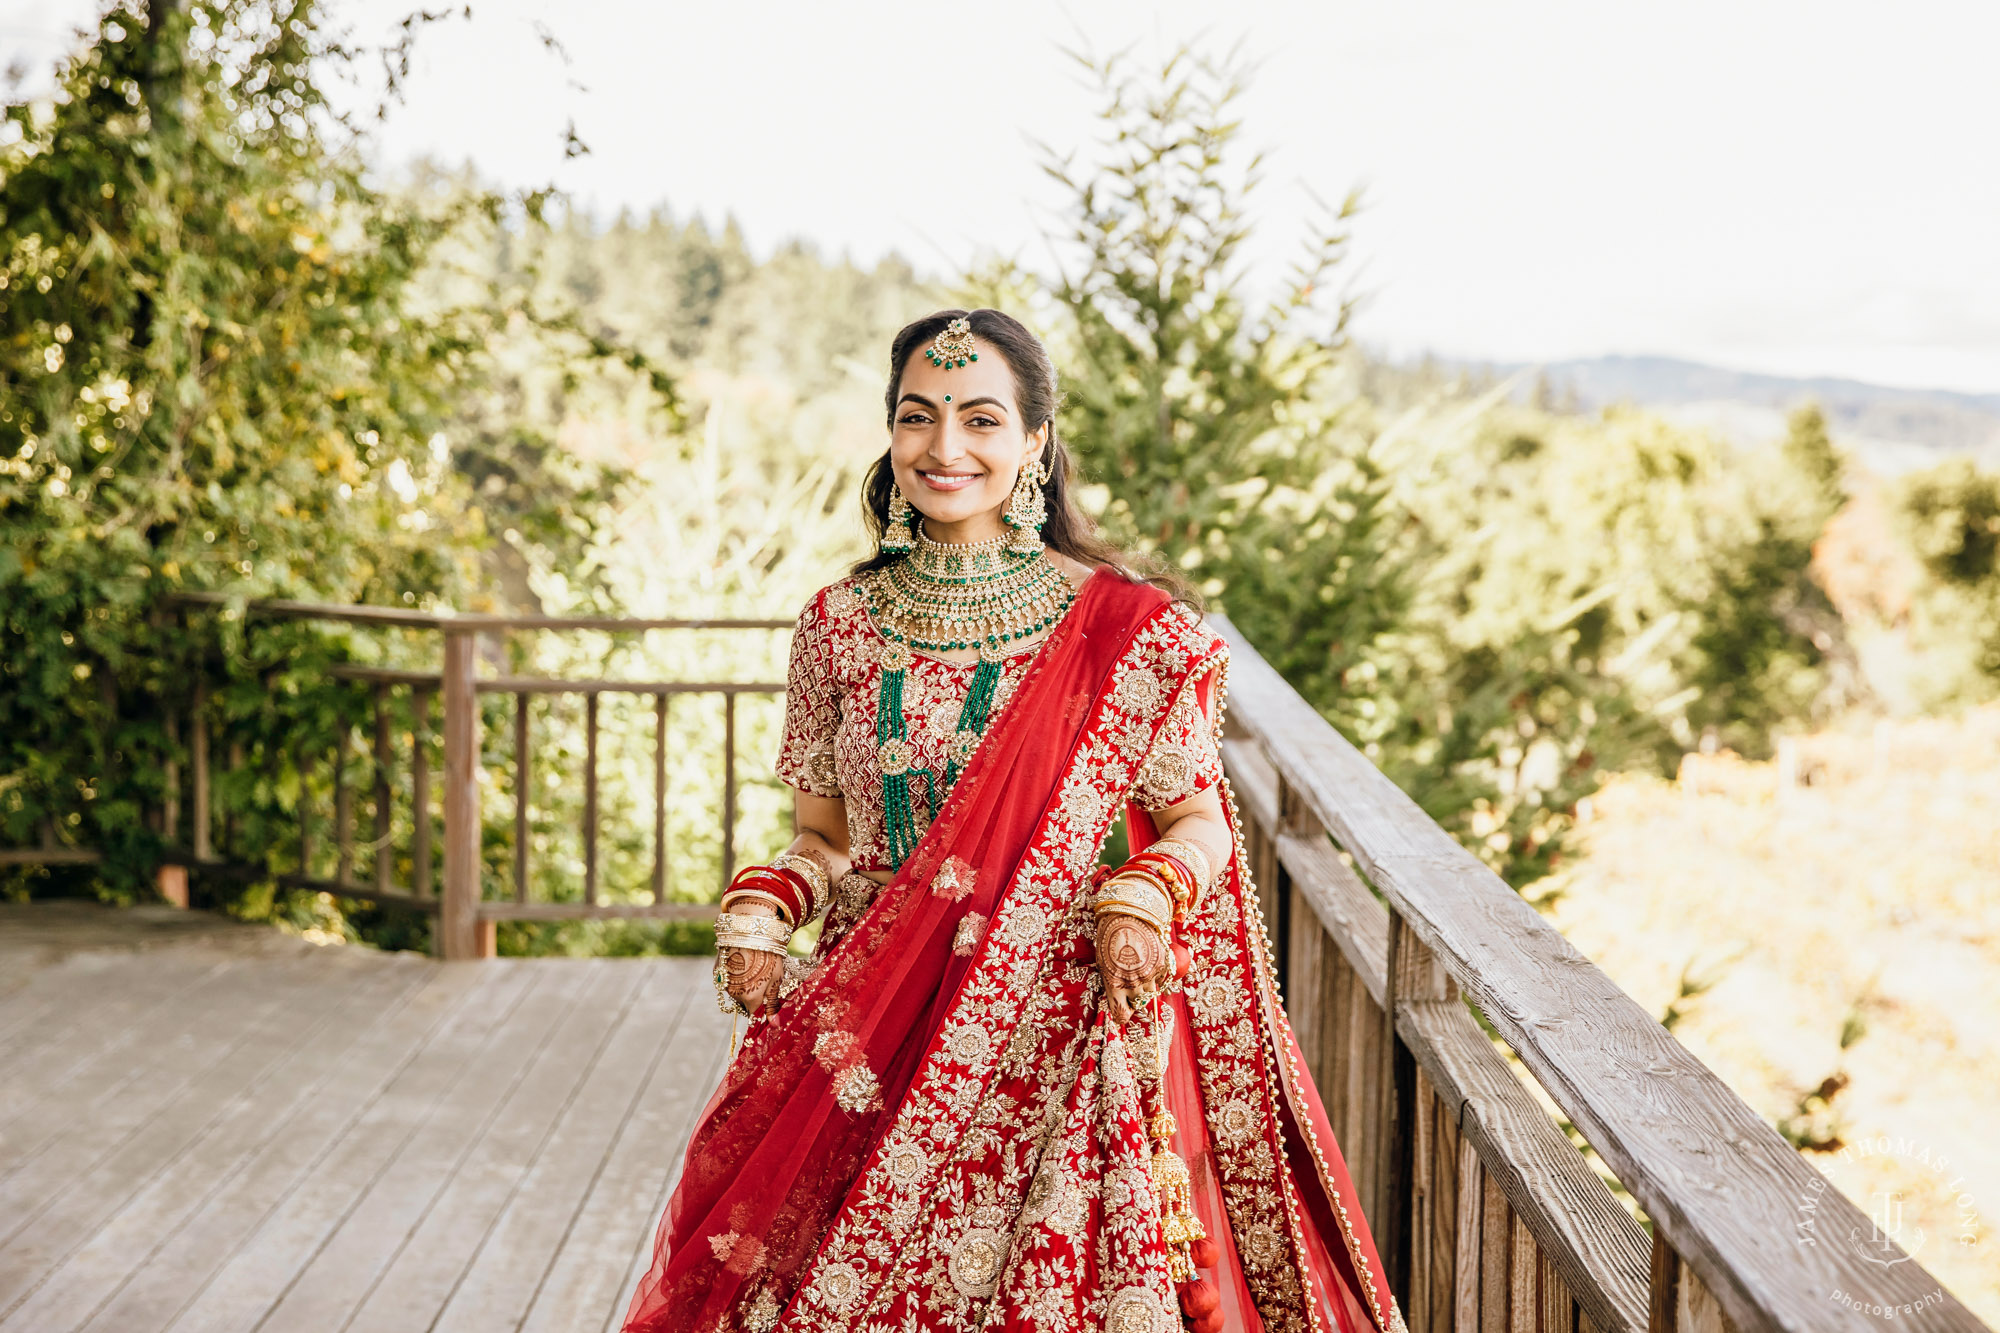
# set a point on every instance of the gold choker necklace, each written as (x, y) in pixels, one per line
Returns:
(946, 596)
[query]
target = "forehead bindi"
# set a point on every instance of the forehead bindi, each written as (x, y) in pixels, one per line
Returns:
(987, 377)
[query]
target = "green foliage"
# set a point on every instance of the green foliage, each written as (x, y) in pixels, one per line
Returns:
(219, 371)
(1950, 516)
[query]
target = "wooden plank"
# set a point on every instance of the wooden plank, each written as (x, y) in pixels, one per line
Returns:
(344, 613)
(171, 1268)
(446, 1086)
(524, 780)
(497, 1287)
(1654, 1112)
(385, 855)
(1585, 1232)
(614, 1229)
(366, 1243)
(420, 793)
(95, 1015)
(1496, 1230)
(1695, 1308)
(1471, 1244)
(1444, 1218)
(544, 685)
(590, 799)
(446, 1238)
(1664, 1290)
(506, 911)
(728, 789)
(1354, 918)
(103, 1256)
(1523, 1295)
(1417, 1296)
(660, 798)
(54, 1209)
(1558, 1308)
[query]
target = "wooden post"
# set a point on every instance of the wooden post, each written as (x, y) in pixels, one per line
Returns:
(198, 760)
(170, 807)
(343, 808)
(590, 798)
(728, 787)
(524, 777)
(420, 792)
(659, 798)
(384, 855)
(461, 934)
(1414, 975)
(304, 764)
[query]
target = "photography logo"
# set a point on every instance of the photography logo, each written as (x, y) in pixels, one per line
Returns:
(1892, 1237)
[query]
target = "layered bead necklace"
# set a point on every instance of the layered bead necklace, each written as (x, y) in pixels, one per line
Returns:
(943, 597)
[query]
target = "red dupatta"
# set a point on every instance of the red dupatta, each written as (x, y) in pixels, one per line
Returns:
(807, 1184)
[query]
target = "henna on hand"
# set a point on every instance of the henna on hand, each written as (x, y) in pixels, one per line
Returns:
(750, 976)
(1134, 960)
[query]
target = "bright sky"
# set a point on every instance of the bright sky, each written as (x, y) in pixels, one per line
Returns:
(1803, 188)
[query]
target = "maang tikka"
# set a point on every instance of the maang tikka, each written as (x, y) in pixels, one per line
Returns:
(1027, 507)
(953, 346)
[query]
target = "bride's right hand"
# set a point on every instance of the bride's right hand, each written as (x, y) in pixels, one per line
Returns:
(750, 976)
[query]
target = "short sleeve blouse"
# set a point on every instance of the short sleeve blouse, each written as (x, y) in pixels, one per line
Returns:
(833, 686)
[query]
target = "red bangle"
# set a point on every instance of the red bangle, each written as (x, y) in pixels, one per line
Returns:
(789, 887)
(1168, 866)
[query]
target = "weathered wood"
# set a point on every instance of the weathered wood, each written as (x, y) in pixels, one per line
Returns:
(728, 788)
(1664, 1289)
(1496, 1231)
(198, 762)
(1557, 1307)
(1714, 1177)
(245, 1205)
(1444, 1217)
(510, 911)
(1352, 916)
(1413, 977)
(458, 930)
(554, 685)
(1695, 1308)
(1469, 1242)
(420, 792)
(1575, 1221)
(660, 797)
(343, 808)
(524, 778)
(385, 854)
(590, 799)
(1523, 1295)
(283, 609)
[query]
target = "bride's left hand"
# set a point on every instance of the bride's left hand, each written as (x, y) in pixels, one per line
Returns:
(1134, 961)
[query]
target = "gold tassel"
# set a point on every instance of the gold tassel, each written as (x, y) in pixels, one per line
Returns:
(1179, 1227)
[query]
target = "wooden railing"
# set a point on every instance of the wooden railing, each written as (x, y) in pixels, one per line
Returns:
(1488, 1217)
(396, 782)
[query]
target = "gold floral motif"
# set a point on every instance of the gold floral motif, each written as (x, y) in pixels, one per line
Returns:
(762, 1316)
(842, 600)
(1235, 1122)
(1167, 772)
(1138, 1310)
(834, 1050)
(821, 770)
(1217, 998)
(1082, 805)
(894, 655)
(969, 1043)
(1026, 924)
(1262, 1245)
(838, 1287)
(962, 746)
(1138, 691)
(906, 1163)
(975, 1262)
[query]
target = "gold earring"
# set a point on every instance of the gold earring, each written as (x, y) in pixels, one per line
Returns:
(1027, 508)
(899, 532)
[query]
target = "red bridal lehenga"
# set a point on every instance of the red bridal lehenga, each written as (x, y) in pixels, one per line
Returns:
(941, 1127)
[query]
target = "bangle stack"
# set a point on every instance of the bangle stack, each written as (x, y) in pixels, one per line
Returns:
(762, 934)
(795, 884)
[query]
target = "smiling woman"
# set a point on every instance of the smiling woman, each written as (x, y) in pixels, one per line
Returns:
(1005, 1089)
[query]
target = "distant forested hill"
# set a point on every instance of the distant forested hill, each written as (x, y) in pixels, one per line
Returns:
(1894, 430)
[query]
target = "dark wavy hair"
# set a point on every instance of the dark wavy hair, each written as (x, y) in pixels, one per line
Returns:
(1068, 530)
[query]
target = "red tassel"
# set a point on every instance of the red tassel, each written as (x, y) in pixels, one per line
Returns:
(1205, 1253)
(1200, 1299)
(1183, 961)
(1207, 1324)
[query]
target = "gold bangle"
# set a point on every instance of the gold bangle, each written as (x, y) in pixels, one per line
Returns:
(1193, 856)
(814, 871)
(762, 933)
(1135, 913)
(1164, 884)
(1144, 893)
(758, 895)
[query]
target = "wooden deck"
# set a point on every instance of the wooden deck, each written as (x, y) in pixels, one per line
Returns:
(216, 1127)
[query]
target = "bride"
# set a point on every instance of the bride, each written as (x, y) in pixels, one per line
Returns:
(1006, 1089)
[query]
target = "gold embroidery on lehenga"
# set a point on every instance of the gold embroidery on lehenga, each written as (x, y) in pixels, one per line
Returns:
(975, 1262)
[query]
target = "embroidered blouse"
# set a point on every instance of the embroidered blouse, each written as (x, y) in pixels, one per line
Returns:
(833, 691)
